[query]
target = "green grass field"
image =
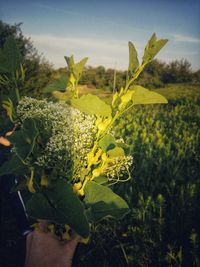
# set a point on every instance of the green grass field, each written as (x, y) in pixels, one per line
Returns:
(162, 227)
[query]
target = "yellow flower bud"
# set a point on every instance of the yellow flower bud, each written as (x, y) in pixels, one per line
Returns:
(85, 241)
(104, 157)
(66, 235)
(77, 186)
(44, 181)
(51, 228)
(30, 183)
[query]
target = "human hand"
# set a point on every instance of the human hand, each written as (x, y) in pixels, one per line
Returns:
(46, 250)
(4, 141)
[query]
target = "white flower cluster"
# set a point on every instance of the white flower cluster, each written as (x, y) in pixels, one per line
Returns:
(67, 136)
(119, 169)
(69, 132)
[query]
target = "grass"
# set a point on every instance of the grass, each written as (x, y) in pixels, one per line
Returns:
(178, 91)
(162, 227)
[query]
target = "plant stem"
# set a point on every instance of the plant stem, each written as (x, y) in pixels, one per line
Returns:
(140, 69)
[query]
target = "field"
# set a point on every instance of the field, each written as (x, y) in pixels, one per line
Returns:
(162, 228)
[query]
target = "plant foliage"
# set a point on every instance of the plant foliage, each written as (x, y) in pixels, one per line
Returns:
(68, 150)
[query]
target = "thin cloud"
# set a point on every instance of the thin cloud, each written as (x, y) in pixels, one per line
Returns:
(65, 42)
(100, 52)
(98, 19)
(186, 39)
(55, 9)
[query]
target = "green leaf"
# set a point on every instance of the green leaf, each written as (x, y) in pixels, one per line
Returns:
(10, 57)
(9, 107)
(133, 59)
(102, 201)
(57, 85)
(145, 96)
(116, 152)
(70, 63)
(39, 207)
(153, 47)
(59, 204)
(76, 68)
(107, 142)
(61, 96)
(19, 186)
(92, 105)
(79, 67)
(12, 166)
(23, 140)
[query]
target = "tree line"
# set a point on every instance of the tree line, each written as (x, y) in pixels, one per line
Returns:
(156, 74)
(39, 72)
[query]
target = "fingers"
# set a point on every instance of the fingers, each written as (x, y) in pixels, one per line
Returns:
(4, 141)
(9, 133)
(43, 225)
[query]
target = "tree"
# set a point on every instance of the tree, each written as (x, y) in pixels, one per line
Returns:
(178, 71)
(196, 77)
(38, 70)
(152, 75)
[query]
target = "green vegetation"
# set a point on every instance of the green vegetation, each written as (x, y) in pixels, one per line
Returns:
(162, 228)
(155, 75)
(37, 70)
(74, 150)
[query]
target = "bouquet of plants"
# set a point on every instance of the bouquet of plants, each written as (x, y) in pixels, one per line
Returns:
(66, 152)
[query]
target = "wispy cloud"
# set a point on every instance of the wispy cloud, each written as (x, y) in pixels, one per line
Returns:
(55, 9)
(100, 52)
(186, 39)
(73, 42)
(92, 18)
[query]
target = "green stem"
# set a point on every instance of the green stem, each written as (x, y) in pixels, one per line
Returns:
(140, 69)
(17, 94)
(116, 116)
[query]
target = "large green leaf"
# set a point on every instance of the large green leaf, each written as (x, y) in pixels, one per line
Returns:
(145, 96)
(153, 47)
(10, 57)
(92, 105)
(107, 142)
(23, 140)
(102, 201)
(12, 166)
(133, 59)
(76, 68)
(57, 85)
(59, 204)
(116, 152)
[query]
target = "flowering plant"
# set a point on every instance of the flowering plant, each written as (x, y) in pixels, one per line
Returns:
(67, 151)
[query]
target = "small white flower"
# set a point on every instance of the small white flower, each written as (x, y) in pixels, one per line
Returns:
(69, 136)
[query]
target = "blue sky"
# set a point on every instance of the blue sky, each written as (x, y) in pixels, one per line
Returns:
(101, 29)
